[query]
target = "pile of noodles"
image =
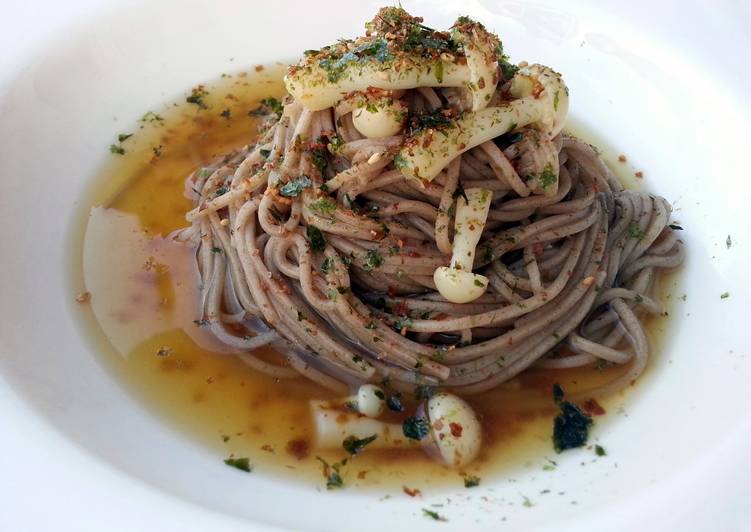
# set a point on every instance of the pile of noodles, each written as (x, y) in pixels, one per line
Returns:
(339, 276)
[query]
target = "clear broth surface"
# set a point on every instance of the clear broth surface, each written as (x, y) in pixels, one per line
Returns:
(215, 398)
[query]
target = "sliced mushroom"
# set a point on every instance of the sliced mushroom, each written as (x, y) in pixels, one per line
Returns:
(543, 102)
(455, 429)
(383, 117)
(456, 282)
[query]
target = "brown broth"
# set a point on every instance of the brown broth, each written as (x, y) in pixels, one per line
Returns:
(215, 398)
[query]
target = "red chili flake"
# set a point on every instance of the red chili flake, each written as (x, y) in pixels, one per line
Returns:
(456, 430)
(402, 309)
(592, 407)
(299, 448)
(537, 89)
(411, 492)
(361, 474)
(639, 174)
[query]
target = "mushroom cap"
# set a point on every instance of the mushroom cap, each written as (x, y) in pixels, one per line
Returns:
(455, 429)
(370, 400)
(382, 118)
(459, 286)
(554, 94)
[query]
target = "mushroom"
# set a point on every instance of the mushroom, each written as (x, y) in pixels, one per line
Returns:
(317, 88)
(456, 282)
(455, 429)
(542, 101)
(369, 400)
(333, 426)
(480, 50)
(452, 430)
(383, 117)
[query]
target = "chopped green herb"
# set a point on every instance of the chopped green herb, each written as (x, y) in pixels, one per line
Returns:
(225, 438)
(547, 177)
(354, 445)
(459, 193)
(675, 227)
(600, 450)
(201, 323)
(729, 242)
(269, 106)
(400, 162)
(372, 260)
(555, 101)
(424, 392)
(335, 143)
(324, 205)
(557, 393)
(725, 295)
(221, 191)
(164, 351)
(264, 153)
(507, 68)
(114, 148)
(471, 481)
(634, 231)
(479, 283)
(327, 265)
(438, 120)
(157, 151)
(316, 239)
(433, 515)
(197, 94)
(292, 189)
(216, 250)
(226, 114)
(394, 403)
(439, 71)
(332, 473)
(151, 117)
(571, 425)
(122, 137)
(242, 464)
(319, 158)
(335, 67)
(415, 427)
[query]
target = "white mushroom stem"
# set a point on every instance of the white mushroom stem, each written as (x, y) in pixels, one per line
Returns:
(455, 429)
(333, 426)
(543, 102)
(456, 282)
(482, 63)
(383, 117)
(370, 400)
(314, 91)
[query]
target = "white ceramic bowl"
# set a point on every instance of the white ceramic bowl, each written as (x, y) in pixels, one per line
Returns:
(658, 81)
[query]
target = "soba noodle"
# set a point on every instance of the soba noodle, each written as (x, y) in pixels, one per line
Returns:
(336, 270)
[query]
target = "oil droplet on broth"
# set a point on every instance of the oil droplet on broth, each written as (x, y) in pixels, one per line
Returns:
(145, 298)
